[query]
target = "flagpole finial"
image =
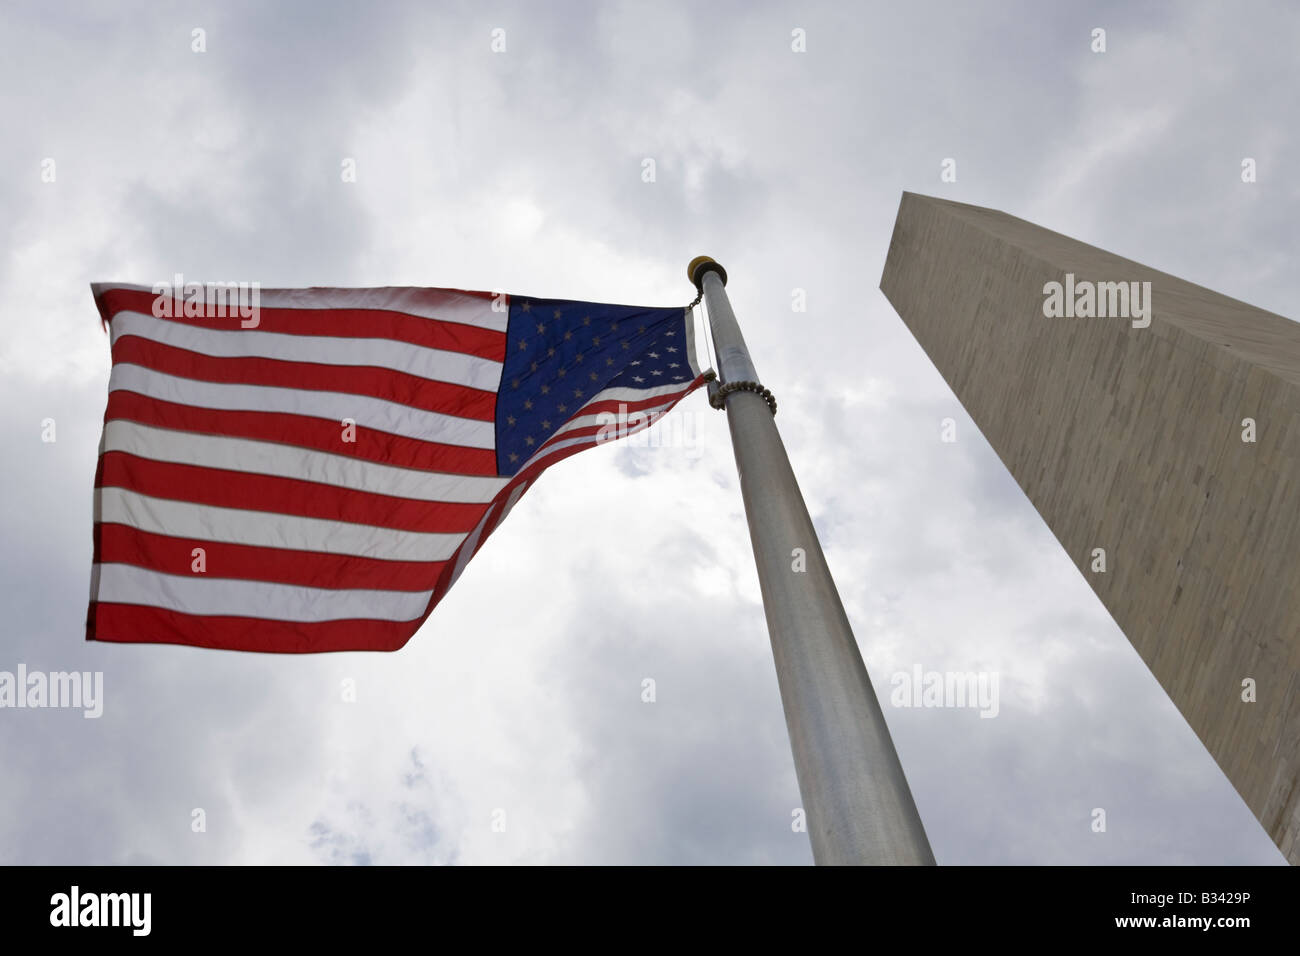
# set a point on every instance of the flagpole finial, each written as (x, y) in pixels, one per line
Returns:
(702, 265)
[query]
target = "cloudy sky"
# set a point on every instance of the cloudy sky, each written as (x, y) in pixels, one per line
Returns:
(522, 170)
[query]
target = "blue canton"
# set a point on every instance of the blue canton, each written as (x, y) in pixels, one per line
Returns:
(560, 353)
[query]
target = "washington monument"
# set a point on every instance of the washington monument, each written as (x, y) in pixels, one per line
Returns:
(1155, 425)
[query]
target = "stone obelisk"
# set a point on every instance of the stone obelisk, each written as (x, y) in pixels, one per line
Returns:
(1156, 428)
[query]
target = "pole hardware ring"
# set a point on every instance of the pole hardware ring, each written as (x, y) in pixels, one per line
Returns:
(718, 397)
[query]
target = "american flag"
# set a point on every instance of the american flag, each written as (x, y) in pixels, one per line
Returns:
(316, 478)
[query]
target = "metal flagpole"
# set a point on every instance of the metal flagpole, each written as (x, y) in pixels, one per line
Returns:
(858, 805)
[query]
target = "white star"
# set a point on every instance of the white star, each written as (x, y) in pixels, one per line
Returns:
(653, 354)
(637, 378)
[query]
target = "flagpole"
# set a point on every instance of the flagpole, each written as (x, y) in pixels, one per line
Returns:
(858, 806)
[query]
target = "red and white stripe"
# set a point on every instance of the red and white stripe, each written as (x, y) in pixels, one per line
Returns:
(230, 440)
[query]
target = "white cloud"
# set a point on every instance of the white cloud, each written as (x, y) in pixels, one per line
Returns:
(522, 171)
